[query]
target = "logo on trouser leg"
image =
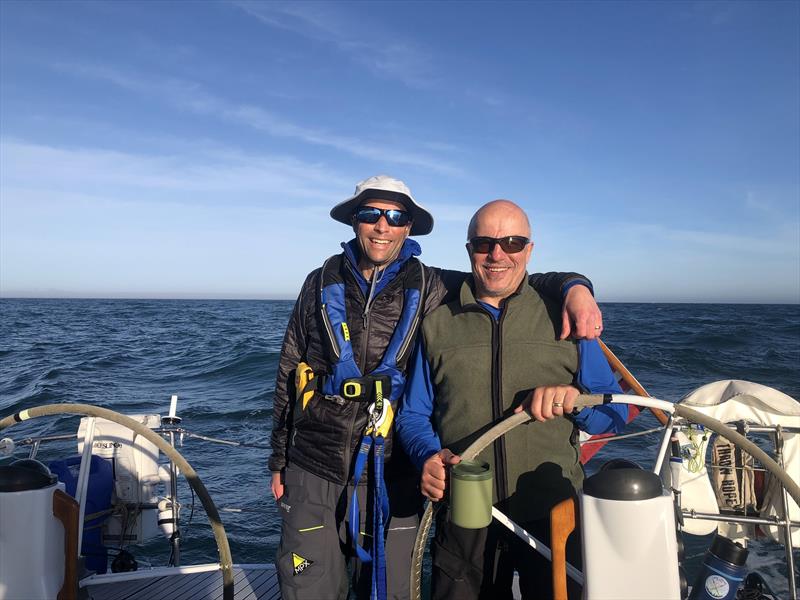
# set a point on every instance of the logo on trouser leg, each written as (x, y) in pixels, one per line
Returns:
(300, 563)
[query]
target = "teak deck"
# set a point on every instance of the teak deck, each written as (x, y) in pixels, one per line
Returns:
(250, 583)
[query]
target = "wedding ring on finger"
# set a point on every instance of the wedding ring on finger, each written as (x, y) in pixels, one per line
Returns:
(557, 405)
(598, 327)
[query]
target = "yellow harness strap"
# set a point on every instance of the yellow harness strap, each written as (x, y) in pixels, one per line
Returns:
(382, 422)
(302, 375)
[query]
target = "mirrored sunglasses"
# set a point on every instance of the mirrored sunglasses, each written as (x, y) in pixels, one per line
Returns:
(510, 244)
(371, 214)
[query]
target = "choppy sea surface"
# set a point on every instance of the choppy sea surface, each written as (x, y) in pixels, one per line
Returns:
(220, 358)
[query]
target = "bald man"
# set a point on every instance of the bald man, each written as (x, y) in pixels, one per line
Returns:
(495, 350)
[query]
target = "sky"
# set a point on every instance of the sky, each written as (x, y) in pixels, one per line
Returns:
(195, 149)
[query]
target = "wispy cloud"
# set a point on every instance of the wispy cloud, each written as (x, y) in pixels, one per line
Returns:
(775, 240)
(771, 203)
(403, 61)
(716, 13)
(493, 98)
(728, 242)
(393, 56)
(267, 121)
(729, 251)
(180, 93)
(210, 220)
(205, 174)
(192, 97)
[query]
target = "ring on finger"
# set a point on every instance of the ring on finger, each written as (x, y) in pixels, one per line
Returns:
(557, 405)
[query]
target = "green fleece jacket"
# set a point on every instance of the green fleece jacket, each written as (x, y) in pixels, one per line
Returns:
(482, 370)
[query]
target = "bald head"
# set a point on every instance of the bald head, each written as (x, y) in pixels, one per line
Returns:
(499, 213)
(499, 259)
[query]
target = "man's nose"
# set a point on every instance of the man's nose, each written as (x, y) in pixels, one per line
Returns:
(381, 226)
(497, 253)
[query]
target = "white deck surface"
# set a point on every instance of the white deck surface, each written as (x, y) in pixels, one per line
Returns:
(250, 583)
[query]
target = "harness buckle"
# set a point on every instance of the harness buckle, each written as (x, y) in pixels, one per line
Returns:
(363, 389)
(352, 389)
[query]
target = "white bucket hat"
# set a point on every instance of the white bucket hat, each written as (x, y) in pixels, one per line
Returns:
(384, 187)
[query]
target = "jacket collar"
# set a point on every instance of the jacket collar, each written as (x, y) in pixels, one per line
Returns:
(352, 252)
(467, 292)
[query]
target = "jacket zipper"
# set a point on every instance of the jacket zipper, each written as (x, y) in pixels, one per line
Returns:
(354, 416)
(497, 406)
(325, 320)
(329, 328)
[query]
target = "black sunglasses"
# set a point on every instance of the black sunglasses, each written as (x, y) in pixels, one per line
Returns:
(371, 214)
(510, 244)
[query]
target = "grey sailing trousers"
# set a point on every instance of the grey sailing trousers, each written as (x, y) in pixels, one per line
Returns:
(315, 551)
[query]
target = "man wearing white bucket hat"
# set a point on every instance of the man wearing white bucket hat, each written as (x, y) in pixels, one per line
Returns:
(342, 370)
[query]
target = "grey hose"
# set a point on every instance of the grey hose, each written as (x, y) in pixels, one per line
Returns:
(225, 560)
(583, 401)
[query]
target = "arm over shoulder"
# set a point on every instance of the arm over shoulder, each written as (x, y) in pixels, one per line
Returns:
(595, 377)
(445, 284)
(555, 284)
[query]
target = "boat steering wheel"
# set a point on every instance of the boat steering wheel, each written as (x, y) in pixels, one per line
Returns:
(584, 401)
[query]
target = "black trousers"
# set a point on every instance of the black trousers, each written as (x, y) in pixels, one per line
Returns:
(480, 563)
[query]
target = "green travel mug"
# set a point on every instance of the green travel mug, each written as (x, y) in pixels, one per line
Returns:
(471, 494)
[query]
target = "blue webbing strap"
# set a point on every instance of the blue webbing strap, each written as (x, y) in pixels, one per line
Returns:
(381, 509)
(380, 514)
(353, 512)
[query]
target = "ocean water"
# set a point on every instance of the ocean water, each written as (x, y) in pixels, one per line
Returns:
(220, 357)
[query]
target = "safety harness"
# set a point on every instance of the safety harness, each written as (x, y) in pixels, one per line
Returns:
(381, 388)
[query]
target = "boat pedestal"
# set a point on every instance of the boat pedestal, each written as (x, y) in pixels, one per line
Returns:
(628, 530)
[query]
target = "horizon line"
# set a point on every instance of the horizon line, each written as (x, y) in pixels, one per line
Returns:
(285, 298)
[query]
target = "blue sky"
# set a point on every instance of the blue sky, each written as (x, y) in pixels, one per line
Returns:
(194, 149)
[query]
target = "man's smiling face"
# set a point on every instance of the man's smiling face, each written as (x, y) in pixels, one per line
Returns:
(380, 242)
(497, 273)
